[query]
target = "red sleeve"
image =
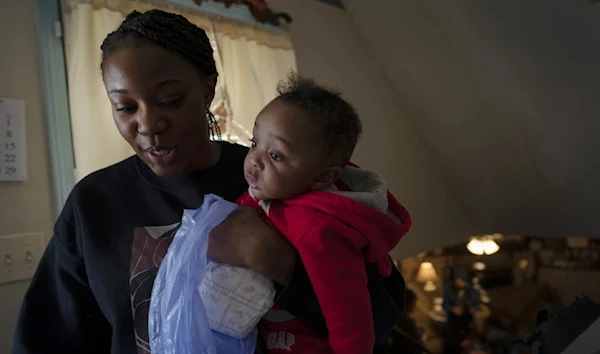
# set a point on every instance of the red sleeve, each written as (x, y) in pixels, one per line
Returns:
(332, 255)
(247, 200)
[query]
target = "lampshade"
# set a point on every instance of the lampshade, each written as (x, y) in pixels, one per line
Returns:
(485, 246)
(490, 247)
(426, 273)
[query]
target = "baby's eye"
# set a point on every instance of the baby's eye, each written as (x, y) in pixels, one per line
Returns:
(253, 142)
(275, 157)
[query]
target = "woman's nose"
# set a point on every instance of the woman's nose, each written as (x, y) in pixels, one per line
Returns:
(150, 122)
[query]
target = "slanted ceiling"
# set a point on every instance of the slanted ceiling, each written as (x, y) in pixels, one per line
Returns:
(507, 96)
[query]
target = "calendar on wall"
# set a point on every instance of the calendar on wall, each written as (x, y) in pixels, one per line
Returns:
(13, 149)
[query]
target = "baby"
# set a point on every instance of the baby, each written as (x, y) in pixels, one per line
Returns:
(337, 216)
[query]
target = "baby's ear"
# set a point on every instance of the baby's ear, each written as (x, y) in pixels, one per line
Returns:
(327, 177)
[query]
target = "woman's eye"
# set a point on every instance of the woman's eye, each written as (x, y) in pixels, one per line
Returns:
(172, 100)
(275, 157)
(125, 109)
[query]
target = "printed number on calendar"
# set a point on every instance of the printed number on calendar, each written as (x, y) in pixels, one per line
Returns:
(10, 157)
(10, 170)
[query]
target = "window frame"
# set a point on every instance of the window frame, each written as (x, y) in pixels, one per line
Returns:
(56, 100)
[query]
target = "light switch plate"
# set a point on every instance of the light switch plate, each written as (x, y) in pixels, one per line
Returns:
(20, 256)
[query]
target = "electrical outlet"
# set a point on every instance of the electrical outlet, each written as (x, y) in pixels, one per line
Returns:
(20, 256)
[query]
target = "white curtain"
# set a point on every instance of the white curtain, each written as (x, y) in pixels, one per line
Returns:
(250, 62)
(251, 69)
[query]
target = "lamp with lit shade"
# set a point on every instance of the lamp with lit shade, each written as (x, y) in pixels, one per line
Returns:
(481, 246)
(427, 276)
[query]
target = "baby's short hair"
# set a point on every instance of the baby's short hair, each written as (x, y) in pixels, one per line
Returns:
(337, 118)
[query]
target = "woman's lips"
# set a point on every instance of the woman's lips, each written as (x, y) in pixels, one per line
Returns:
(162, 155)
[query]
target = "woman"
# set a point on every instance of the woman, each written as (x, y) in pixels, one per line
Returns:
(92, 289)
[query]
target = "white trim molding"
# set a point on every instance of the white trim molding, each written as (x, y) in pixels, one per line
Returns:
(56, 99)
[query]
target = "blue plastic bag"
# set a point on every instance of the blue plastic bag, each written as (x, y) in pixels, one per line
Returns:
(177, 320)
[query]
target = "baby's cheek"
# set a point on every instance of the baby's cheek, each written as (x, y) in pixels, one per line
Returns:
(276, 188)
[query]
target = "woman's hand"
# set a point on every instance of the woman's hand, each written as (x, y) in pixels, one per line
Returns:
(244, 240)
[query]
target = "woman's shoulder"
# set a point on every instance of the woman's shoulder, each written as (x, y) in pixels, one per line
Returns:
(234, 152)
(232, 158)
(92, 195)
(227, 178)
(123, 169)
(114, 178)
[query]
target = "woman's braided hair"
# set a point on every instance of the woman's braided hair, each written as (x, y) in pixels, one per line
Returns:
(170, 31)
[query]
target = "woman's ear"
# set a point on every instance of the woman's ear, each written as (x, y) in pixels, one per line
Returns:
(209, 88)
(327, 177)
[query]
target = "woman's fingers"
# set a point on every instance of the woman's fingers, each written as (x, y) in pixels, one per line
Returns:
(245, 240)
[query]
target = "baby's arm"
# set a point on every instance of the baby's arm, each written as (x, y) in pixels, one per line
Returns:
(332, 255)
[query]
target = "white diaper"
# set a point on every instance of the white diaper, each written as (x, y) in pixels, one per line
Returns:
(235, 298)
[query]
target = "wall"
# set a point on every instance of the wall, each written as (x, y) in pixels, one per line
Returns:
(505, 94)
(24, 207)
(570, 284)
(330, 48)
